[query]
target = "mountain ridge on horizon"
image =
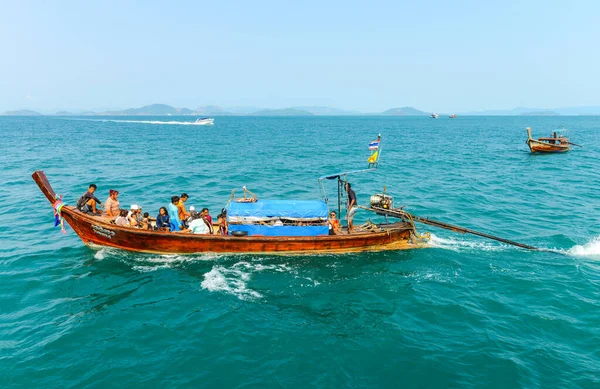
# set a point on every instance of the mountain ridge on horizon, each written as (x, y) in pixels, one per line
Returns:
(214, 110)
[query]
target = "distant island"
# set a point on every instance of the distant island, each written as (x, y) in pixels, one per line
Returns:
(327, 111)
(282, 112)
(404, 111)
(213, 110)
(540, 113)
(150, 110)
(22, 112)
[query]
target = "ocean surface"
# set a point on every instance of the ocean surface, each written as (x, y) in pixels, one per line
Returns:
(466, 312)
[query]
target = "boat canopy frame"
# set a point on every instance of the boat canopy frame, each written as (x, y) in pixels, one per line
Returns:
(341, 178)
(341, 182)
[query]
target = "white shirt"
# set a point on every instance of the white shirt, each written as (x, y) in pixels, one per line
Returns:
(198, 226)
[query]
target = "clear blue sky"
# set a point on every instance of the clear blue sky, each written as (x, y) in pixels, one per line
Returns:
(448, 56)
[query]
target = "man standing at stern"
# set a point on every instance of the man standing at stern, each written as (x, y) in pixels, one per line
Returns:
(351, 207)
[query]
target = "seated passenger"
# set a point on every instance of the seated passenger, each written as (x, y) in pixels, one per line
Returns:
(132, 216)
(88, 203)
(121, 220)
(145, 223)
(162, 219)
(334, 223)
(222, 224)
(111, 205)
(205, 214)
(200, 226)
(193, 214)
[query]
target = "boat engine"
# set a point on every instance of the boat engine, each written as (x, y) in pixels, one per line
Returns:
(382, 200)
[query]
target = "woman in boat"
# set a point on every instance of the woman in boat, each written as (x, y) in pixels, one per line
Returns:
(162, 219)
(111, 205)
(173, 213)
(121, 220)
(222, 224)
(334, 223)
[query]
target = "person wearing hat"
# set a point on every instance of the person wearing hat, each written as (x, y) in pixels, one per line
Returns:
(132, 215)
(193, 215)
(111, 205)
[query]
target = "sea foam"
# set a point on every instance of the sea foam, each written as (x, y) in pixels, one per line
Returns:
(590, 249)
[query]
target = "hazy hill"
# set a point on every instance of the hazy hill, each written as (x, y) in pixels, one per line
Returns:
(540, 113)
(154, 109)
(211, 110)
(320, 110)
(22, 112)
(282, 112)
(404, 111)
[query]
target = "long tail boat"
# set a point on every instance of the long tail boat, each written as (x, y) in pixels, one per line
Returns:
(557, 143)
(97, 231)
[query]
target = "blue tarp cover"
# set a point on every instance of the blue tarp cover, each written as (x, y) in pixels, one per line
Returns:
(293, 209)
(257, 229)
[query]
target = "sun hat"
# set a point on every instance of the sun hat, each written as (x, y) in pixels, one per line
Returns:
(134, 207)
(192, 208)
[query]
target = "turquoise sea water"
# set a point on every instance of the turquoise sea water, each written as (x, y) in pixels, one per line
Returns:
(465, 313)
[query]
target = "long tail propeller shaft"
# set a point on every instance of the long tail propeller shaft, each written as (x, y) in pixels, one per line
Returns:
(398, 213)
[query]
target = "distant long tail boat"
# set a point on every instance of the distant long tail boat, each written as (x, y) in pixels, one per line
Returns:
(98, 231)
(558, 143)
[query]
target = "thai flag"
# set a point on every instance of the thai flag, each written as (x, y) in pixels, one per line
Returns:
(374, 145)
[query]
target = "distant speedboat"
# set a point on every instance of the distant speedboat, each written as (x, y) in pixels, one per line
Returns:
(205, 121)
(434, 116)
(453, 116)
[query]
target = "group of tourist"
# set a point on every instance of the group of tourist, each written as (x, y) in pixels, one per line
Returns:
(173, 218)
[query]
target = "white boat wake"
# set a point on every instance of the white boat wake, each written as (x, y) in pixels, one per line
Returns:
(589, 250)
(158, 122)
(464, 245)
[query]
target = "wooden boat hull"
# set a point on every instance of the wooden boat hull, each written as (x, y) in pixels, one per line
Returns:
(543, 147)
(98, 231)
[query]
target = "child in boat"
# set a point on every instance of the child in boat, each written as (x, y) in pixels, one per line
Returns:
(145, 224)
(162, 219)
(121, 220)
